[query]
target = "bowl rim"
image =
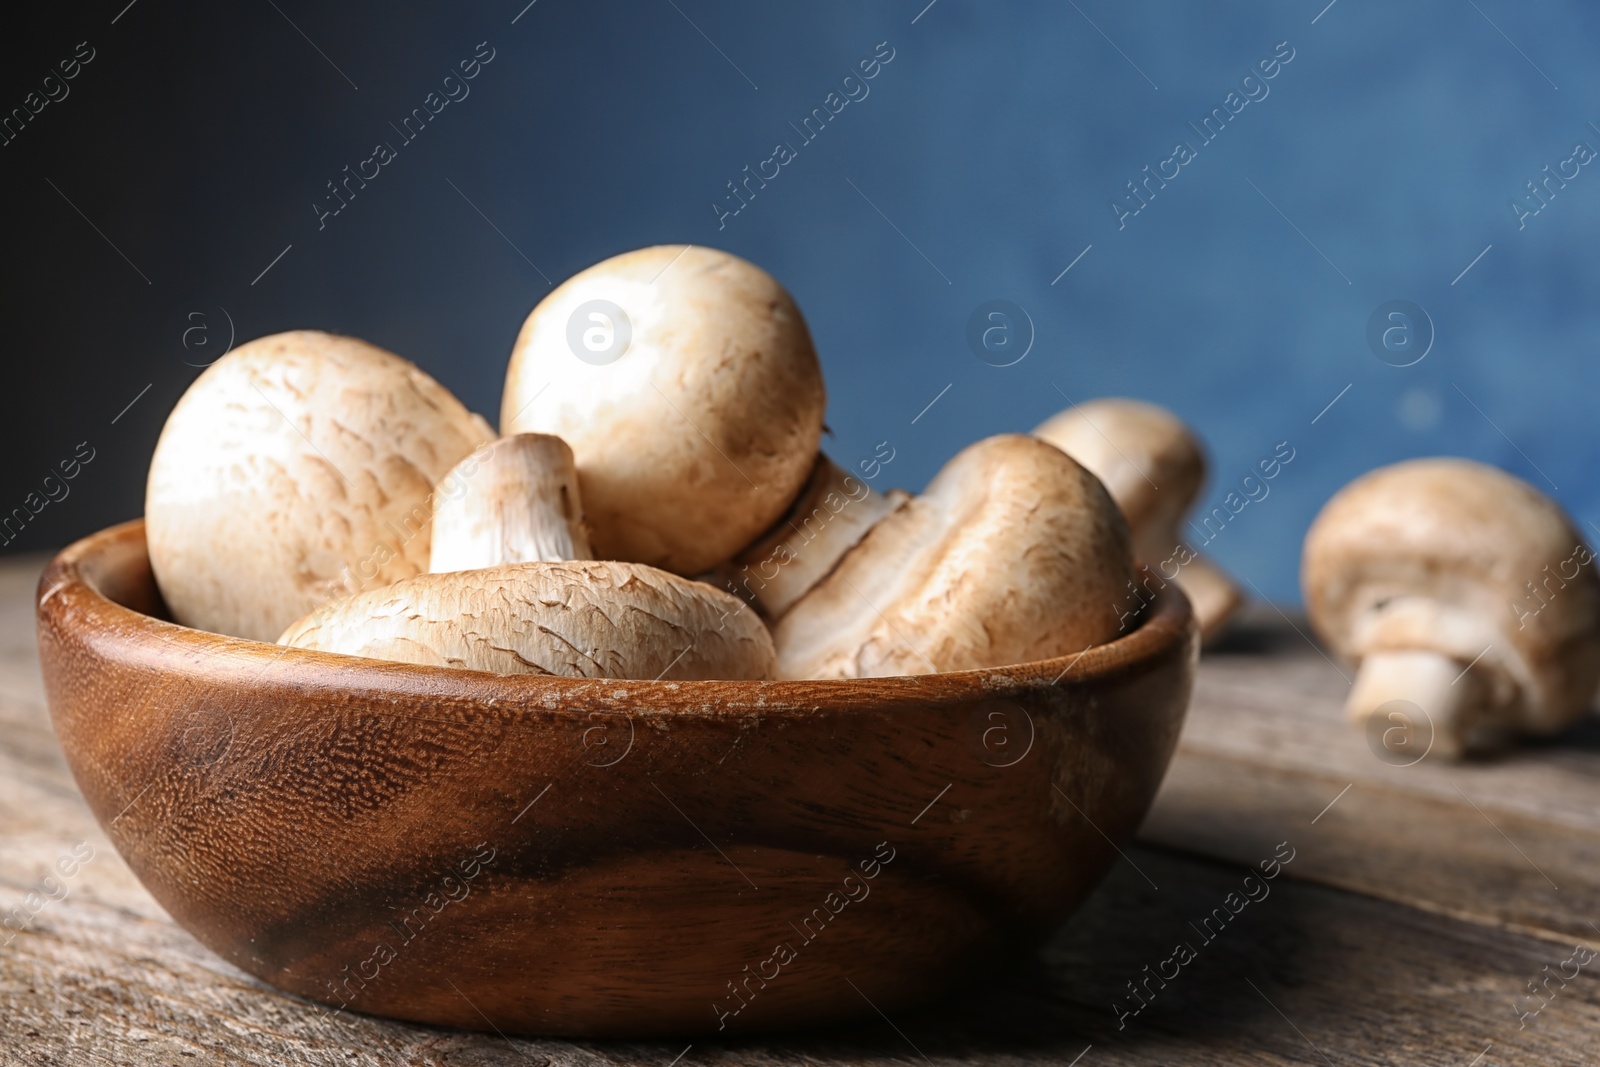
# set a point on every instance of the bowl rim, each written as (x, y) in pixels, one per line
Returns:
(70, 599)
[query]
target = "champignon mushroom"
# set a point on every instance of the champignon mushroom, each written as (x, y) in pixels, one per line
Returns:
(507, 601)
(686, 383)
(1461, 589)
(1154, 467)
(832, 513)
(298, 468)
(1013, 553)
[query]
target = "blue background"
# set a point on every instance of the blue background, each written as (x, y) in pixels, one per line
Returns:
(983, 161)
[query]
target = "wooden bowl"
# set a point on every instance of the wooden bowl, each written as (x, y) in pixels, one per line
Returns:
(597, 858)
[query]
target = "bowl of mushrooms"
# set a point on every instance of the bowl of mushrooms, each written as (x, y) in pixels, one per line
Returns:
(641, 717)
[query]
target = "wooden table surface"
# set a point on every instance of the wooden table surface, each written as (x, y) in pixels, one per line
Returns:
(1422, 907)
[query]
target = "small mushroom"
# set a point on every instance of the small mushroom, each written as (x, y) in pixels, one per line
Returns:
(1154, 467)
(1462, 590)
(686, 383)
(1013, 553)
(298, 468)
(504, 600)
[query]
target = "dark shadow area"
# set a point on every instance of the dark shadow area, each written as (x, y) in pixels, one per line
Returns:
(1582, 736)
(1258, 630)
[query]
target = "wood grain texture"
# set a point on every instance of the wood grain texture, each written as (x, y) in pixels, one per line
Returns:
(105, 976)
(1512, 839)
(365, 833)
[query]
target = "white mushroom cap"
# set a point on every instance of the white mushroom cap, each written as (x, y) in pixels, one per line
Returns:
(515, 503)
(1154, 467)
(1424, 569)
(1013, 553)
(697, 437)
(582, 619)
(298, 468)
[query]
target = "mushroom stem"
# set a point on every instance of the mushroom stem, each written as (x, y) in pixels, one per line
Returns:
(1449, 695)
(833, 512)
(516, 503)
(1213, 594)
(1013, 553)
